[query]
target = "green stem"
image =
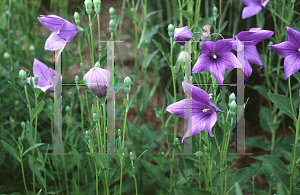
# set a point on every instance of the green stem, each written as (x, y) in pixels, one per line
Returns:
(99, 135)
(99, 36)
(180, 13)
(135, 184)
(92, 41)
(24, 181)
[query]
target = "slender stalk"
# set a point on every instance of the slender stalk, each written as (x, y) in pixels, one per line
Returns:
(92, 42)
(135, 184)
(99, 135)
(98, 19)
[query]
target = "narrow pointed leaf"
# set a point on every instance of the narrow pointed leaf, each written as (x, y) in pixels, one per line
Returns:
(37, 110)
(31, 147)
(11, 150)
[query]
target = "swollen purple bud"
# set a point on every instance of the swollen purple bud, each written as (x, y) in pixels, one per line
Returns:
(182, 34)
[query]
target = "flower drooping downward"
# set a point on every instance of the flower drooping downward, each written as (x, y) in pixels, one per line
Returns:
(97, 80)
(182, 34)
(253, 7)
(216, 57)
(290, 50)
(202, 115)
(63, 32)
(46, 76)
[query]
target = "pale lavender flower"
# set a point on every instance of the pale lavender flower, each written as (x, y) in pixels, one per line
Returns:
(201, 115)
(97, 80)
(63, 32)
(46, 76)
(182, 34)
(255, 35)
(216, 57)
(290, 50)
(253, 7)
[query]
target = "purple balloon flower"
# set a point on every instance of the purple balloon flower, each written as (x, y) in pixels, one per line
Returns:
(97, 80)
(202, 113)
(255, 35)
(63, 32)
(253, 7)
(216, 57)
(46, 75)
(290, 50)
(182, 34)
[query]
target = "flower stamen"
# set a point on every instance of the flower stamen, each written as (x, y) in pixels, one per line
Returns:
(299, 49)
(49, 82)
(209, 110)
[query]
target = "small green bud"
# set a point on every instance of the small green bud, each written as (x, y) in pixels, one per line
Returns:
(87, 135)
(97, 65)
(6, 56)
(77, 18)
(215, 11)
(182, 58)
(177, 141)
(19, 140)
(11, 121)
(293, 1)
(271, 43)
(232, 108)
(23, 124)
(231, 98)
(100, 48)
(36, 80)
(131, 156)
(127, 85)
(31, 48)
(76, 79)
(22, 75)
(95, 117)
(119, 132)
(17, 103)
(97, 6)
(171, 30)
(67, 109)
(88, 6)
(112, 25)
(112, 11)
(162, 153)
(132, 10)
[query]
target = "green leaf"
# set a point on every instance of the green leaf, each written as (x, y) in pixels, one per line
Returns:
(273, 160)
(150, 14)
(170, 98)
(39, 192)
(238, 189)
(18, 90)
(149, 58)
(275, 175)
(123, 151)
(28, 134)
(262, 90)
(158, 45)
(133, 97)
(11, 150)
(126, 103)
(283, 103)
(31, 147)
(2, 157)
(297, 76)
(99, 159)
(239, 177)
(265, 119)
(256, 142)
(260, 19)
(37, 110)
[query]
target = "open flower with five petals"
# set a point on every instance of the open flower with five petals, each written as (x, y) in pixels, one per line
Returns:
(202, 114)
(290, 50)
(253, 7)
(63, 32)
(216, 57)
(250, 39)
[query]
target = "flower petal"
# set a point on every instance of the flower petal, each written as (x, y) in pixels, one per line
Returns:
(210, 122)
(228, 60)
(223, 45)
(41, 70)
(67, 31)
(247, 68)
(293, 36)
(251, 10)
(202, 63)
(52, 22)
(207, 47)
(180, 109)
(196, 93)
(285, 48)
(291, 65)
(265, 3)
(195, 125)
(218, 70)
(252, 55)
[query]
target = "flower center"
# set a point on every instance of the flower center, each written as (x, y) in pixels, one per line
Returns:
(299, 49)
(49, 82)
(208, 110)
(213, 55)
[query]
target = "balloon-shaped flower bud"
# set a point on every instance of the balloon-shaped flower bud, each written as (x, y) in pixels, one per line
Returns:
(87, 135)
(132, 10)
(19, 140)
(95, 117)
(77, 18)
(31, 48)
(36, 80)
(232, 108)
(112, 25)
(97, 65)
(271, 43)
(67, 109)
(231, 98)
(6, 56)
(131, 156)
(22, 75)
(171, 30)
(76, 79)
(119, 132)
(17, 103)
(23, 124)
(215, 11)
(97, 6)
(183, 58)
(88, 6)
(127, 85)
(112, 11)
(97, 80)
(182, 34)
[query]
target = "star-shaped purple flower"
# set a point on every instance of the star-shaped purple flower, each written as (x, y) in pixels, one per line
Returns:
(63, 32)
(182, 34)
(255, 35)
(290, 50)
(253, 7)
(202, 114)
(97, 80)
(216, 57)
(46, 75)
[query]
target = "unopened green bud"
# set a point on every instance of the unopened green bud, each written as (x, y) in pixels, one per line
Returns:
(87, 135)
(171, 30)
(11, 121)
(22, 75)
(76, 79)
(97, 65)
(88, 6)
(232, 98)
(177, 141)
(17, 103)
(112, 11)
(6, 56)
(31, 48)
(127, 85)
(100, 48)
(293, 1)
(36, 80)
(215, 11)
(19, 140)
(132, 10)
(232, 108)
(68, 108)
(95, 117)
(77, 18)
(97, 6)
(271, 43)
(23, 124)
(119, 132)
(112, 25)
(162, 153)
(131, 156)
(183, 58)
(176, 67)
